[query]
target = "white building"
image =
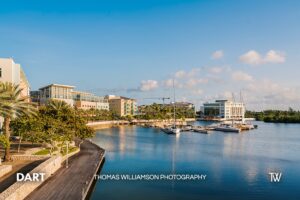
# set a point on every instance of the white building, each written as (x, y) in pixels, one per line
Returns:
(223, 110)
(12, 72)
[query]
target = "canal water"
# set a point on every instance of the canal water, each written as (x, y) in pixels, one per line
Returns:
(236, 166)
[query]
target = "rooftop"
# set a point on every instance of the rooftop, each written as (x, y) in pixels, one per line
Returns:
(58, 85)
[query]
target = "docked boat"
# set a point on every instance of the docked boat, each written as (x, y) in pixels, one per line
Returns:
(227, 128)
(200, 130)
(171, 130)
(187, 128)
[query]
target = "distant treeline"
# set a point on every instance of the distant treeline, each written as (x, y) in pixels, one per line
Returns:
(159, 111)
(280, 116)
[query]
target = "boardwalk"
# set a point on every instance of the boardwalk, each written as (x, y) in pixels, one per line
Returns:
(70, 183)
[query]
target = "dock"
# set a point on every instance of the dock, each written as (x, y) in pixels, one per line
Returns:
(217, 127)
(75, 181)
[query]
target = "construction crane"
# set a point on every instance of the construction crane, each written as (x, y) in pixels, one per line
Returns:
(160, 98)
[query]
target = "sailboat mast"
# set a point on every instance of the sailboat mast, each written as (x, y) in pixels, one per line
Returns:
(174, 106)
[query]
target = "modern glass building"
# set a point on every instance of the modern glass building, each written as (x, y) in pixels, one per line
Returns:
(223, 110)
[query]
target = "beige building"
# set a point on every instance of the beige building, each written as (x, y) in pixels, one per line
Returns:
(81, 100)
(122, 106)
(12, 72)
(86, 101)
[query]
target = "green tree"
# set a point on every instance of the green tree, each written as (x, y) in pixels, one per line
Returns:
(4, 142)
(13, 105)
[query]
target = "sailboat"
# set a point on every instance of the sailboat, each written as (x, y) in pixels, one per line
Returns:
(173, 129)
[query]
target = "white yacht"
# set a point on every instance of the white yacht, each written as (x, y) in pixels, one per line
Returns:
(227, 128)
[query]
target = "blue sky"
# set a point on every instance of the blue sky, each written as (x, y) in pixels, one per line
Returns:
(135, 48)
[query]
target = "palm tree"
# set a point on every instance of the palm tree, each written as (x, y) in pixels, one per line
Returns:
(58, 105)
(13, 105)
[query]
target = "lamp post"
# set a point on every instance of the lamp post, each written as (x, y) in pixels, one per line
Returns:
(67, 160)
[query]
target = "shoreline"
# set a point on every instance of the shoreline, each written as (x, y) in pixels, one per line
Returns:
(98, 125)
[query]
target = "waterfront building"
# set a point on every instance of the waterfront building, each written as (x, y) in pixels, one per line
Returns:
(12, 72)
(56, 92)
(85, 101)
(78, 99)
(223, 110)
(122, 106)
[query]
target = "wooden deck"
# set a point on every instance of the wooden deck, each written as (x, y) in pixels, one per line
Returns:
(73, 182)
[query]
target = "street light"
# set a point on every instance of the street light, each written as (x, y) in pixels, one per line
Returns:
(67, 161)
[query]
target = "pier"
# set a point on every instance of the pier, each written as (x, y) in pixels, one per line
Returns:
(75, 181)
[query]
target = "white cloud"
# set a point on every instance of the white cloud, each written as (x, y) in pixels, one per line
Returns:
(197, 92)
(169, 83)
(181, 74)
(190, 83)
(254, 58)
(148, 85)
(241, 76)
(217, 55)
(216, 70)
(251, 58)
(266, 94)
(275, 57)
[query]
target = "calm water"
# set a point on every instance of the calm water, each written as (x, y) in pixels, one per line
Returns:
(236, 165)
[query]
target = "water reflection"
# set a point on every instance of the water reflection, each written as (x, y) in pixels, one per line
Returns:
(236, 164)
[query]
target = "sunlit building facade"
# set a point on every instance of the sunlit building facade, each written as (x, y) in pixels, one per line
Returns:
(66, 93)
(122, 106)
(224, 110)
(86, 101)
(12, 72)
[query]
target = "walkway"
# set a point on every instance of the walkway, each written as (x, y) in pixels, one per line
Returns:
(72, 182)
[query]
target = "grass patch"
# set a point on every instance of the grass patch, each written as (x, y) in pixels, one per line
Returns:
(42, 152)
(46, 151)
(71, 150)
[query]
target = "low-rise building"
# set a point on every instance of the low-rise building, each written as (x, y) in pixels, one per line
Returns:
(56, 92)
(85, 100)
(223, 110)
(122, 106)
(79, 99)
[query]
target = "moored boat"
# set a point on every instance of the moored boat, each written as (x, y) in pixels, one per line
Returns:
(227, 128)
(200, 130)
(171, 130)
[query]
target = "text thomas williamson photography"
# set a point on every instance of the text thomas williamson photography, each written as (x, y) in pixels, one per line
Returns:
(151, 177)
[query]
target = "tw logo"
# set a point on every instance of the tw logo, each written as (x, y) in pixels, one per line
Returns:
(275, 177)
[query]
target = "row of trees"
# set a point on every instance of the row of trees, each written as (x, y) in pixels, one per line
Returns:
(52, 123)
(160, 111)
(289, 116)
(153, 111)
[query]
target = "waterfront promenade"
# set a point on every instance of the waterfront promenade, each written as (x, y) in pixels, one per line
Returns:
(72, 182)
